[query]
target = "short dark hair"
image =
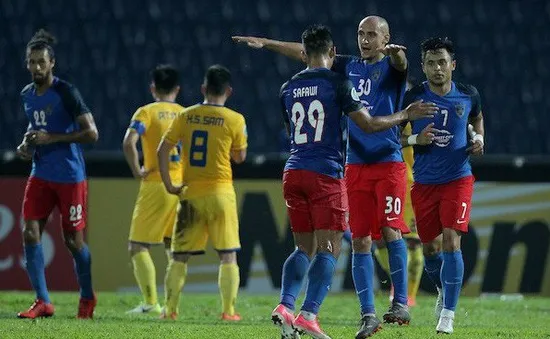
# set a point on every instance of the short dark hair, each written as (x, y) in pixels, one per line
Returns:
(433, 44)
(42, 40)
(217, 79)
(317, 39)
(165, 78)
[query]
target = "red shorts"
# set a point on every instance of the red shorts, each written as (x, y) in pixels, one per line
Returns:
(376, 197)
(315, 201)
(442, 206)
(42, 196)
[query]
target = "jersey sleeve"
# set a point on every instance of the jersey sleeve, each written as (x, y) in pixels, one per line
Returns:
(240, 135)
(476, 103)
(140, 121)
(282, 102)
(340, 63)
(175, 132)
(72, 101)
(348, 97)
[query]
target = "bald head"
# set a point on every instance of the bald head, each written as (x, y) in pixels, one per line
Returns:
(373, 34)
(377, 23)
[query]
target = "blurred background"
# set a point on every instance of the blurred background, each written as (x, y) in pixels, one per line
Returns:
(107, 48)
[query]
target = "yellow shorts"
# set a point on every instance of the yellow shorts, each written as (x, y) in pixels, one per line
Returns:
(199, 218)
(408, 215)
(154, 214)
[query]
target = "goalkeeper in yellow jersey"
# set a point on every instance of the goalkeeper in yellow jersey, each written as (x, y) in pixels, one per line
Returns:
(415, 261)
(155, 210)
(211, 136)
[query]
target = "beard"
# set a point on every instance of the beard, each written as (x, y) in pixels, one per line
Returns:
(40, 79)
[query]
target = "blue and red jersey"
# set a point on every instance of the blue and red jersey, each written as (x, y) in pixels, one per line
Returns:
(56, 112)
(315, 103)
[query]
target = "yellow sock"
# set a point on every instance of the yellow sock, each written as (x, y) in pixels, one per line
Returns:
(228, 282)
(383, 259)
(144, 271)
(173, 283)
(415, 268)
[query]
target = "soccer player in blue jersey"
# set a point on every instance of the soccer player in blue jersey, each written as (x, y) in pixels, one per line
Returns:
(375, 172)
(315, 104)
(59, 122)
(443, 187)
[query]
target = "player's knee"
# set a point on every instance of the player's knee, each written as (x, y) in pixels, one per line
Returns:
(228, 257)
(181, 257)
(451, 240)
(309, 250)
(391, 234)
(362, 245)
(432, 248)
(31, 234)
(135, 248)
(332, 246)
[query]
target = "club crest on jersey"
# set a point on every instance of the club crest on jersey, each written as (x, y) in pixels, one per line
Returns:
(376, 75)
(459, 109)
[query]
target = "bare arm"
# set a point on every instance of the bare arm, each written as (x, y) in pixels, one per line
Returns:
(163, 154)
(478, 141)
(414, 111)
(425, 137)
(290, 49)
(238, 156)
(131, 154)
(398, 58)
(86, 134)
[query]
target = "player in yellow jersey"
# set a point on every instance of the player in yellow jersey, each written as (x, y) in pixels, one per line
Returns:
(415, 262)
(155, 210)
(211, 135)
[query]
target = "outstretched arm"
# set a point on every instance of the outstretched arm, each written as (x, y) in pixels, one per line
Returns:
(398, 58)
(290, 49)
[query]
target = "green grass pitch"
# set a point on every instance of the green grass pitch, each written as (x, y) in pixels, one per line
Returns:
(199, 314)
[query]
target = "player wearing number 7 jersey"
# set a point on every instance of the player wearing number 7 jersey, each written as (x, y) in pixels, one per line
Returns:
(59, 122)
(443, 187)
(211, 136)
(315, 105)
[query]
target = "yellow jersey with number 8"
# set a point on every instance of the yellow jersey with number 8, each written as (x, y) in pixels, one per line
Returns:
(208, 133)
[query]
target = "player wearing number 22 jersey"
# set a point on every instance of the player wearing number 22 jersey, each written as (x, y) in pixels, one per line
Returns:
(211, 136)
(59, 122)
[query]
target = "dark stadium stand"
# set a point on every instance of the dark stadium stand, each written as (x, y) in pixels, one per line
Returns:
(106, 48)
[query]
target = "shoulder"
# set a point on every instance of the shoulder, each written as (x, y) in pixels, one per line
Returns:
(233, 115)
(346, 59)
(63, 87)
(27, 89)
(415, 91)
(284, 87)
(466, 89)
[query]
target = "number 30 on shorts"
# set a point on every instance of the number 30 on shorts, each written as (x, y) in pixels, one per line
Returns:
(393, 205)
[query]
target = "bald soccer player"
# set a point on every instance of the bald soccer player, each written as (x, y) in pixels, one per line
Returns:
(375, 172)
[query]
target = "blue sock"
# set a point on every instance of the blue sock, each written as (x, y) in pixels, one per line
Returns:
(452, 273)
(35, 268)
(319, 281)
(397, 251)
(433, 268)
(363, 279)
(347, 236)
(83, 268)
(294, 271)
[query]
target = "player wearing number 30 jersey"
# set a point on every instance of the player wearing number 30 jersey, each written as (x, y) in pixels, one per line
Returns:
(211, 135)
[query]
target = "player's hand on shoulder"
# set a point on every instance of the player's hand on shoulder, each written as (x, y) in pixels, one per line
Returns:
(251, 41)
(38, 137)
(392, 49)
(427, 135)
(24, 152)
(476, 147)
(420, 109)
